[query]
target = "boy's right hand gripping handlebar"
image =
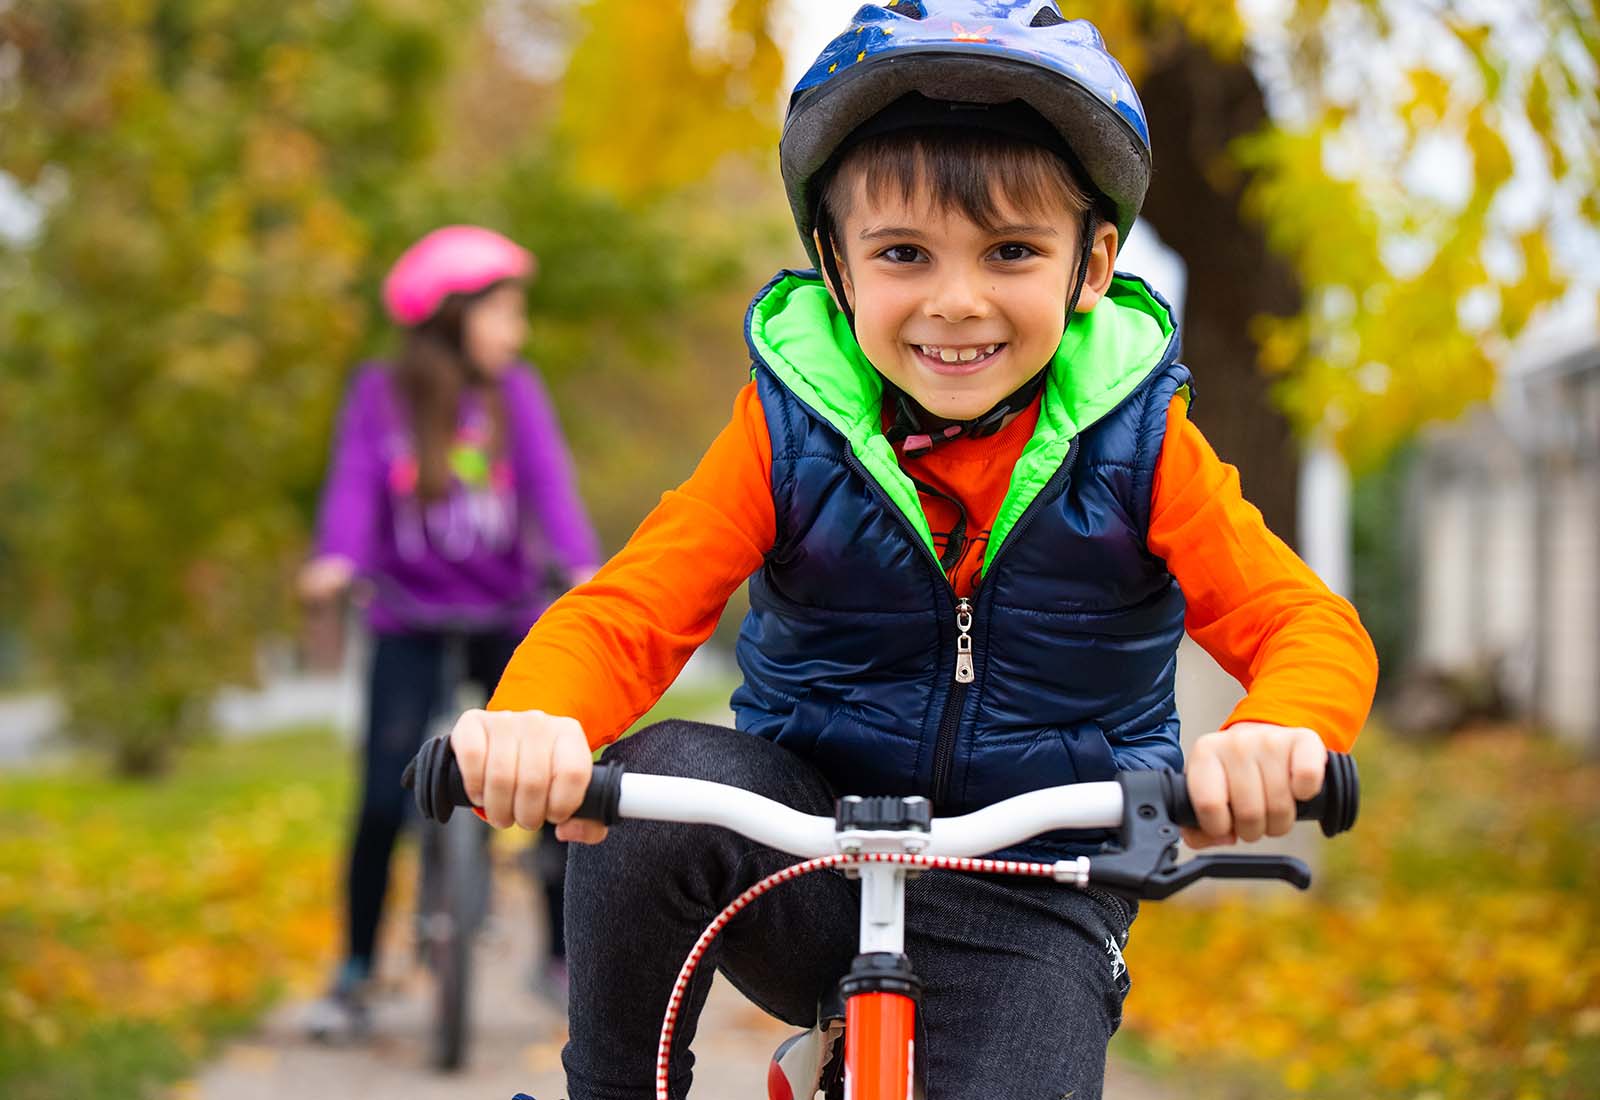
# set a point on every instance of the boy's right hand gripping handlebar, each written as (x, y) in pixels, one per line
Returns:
(435, 778)
(1334, 807)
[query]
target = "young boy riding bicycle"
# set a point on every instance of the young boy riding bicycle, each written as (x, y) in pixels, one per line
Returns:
(976, 522)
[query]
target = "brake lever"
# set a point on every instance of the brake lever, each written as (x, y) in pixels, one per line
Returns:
(1145, 866)
(1174, 877)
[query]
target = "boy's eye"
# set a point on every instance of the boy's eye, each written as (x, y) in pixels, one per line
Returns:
(1013, 251)
(902, 254)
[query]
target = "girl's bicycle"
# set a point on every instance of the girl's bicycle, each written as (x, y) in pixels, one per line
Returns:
(882, 840)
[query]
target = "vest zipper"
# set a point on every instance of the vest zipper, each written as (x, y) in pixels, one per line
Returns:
(963, 641)
(944, 749)
(944, 752)
(950, 716)
(965, 669)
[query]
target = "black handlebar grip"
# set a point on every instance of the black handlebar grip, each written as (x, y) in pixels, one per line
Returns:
(435, 778)
(601, 800)
(1334, 807)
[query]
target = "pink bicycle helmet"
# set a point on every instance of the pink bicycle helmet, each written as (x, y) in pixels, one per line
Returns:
(458, 259)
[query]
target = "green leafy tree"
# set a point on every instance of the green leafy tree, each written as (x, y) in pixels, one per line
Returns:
(177, 329)
(223, 186)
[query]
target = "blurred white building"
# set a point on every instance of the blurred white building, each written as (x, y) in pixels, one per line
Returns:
(1507, 539)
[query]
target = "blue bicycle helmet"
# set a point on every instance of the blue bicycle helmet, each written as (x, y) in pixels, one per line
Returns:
(970, 52)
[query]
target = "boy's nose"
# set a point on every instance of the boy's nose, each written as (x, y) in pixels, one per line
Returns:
(958, 296)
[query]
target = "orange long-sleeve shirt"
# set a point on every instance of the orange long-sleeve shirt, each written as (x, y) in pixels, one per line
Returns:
(605, 652)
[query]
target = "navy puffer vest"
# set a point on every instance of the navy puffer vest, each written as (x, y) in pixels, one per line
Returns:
(849, 648)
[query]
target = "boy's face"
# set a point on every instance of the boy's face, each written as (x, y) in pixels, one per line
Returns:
(956, 315)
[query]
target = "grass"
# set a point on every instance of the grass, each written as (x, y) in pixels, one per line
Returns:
(142, 922)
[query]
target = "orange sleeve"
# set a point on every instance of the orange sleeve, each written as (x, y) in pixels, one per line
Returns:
(1298, 649)
(607, 650)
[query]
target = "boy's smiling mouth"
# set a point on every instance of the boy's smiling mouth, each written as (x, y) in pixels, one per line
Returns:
(957, 358)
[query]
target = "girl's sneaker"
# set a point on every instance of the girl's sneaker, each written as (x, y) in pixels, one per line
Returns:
(342, 1015)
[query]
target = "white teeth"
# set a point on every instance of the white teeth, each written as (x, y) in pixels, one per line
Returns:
(957, 355)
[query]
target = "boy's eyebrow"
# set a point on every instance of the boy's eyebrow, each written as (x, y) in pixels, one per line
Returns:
(1022, 230)
(889, 231)
(1014, 230)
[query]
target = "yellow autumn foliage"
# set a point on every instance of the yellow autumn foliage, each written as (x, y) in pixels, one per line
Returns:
(175, 904)
(1449, 950)
(683, 104)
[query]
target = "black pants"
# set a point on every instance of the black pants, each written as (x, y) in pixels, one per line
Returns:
(1024, 980)
(406, 691)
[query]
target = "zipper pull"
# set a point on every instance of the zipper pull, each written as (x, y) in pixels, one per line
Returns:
(964, 641)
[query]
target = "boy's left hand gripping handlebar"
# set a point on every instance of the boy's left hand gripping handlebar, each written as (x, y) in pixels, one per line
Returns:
(435, 778)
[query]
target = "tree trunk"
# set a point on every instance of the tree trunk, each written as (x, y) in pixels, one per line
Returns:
(1197, 106)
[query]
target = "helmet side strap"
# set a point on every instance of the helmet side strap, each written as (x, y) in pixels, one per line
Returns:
(1085, 247)
(829, 256)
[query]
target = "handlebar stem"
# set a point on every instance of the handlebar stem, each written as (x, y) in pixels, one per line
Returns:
(883, 908)
(854, 842)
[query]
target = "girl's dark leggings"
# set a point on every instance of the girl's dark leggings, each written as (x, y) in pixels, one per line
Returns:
(406, 690)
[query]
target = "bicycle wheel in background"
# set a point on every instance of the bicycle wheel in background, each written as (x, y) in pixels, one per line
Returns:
(456, 877)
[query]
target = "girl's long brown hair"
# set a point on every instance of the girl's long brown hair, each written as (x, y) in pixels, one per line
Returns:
(432, 374)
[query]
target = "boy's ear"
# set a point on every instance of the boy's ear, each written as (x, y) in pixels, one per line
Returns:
(844, 297)
(1102, 265)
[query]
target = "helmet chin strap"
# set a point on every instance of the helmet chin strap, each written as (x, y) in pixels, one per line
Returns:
(916, 430)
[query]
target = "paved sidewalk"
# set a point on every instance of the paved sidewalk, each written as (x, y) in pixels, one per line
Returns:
(517, 1044)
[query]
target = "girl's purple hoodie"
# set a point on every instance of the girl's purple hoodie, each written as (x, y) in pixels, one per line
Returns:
(486, 556)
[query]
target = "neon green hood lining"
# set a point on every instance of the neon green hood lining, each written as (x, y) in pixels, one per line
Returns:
(1104, 356)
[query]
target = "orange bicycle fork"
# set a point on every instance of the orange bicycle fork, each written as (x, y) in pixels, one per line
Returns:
(880, 1028)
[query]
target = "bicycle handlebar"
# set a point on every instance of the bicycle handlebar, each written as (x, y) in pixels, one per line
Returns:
(613, 796)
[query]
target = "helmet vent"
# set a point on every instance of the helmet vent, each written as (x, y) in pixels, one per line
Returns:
(1047, 17)
(911, 9)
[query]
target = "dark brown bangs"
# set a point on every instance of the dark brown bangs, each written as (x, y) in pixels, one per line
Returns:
(955, 169)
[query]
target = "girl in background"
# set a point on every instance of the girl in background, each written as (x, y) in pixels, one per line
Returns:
(451, 493)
